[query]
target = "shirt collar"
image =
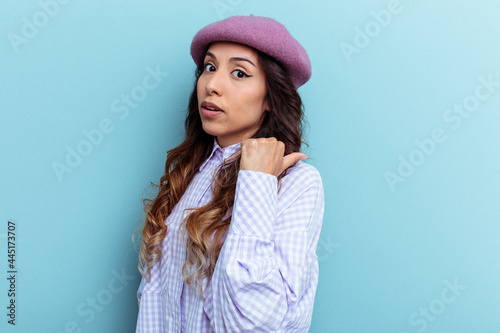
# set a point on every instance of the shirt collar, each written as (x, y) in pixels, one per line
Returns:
(226, 152)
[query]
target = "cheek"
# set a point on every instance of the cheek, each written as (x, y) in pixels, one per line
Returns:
(198, 89)
(250, 114)
(253, 97)
(200, 86)
(255, 105)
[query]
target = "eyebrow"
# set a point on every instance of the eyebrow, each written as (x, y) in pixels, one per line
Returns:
(232, 59)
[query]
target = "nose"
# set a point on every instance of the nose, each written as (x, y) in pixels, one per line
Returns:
(215, 84)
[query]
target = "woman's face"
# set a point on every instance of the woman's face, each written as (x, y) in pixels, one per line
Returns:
(231, 92)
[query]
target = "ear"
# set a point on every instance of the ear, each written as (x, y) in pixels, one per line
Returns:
(265, 105)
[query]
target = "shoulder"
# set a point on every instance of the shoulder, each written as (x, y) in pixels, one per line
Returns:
(301, 175)
(300, 199)
(302, 170)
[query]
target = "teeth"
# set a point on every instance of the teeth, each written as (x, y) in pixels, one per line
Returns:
(210, 108)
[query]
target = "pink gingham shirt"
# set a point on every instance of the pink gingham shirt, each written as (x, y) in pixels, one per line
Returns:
(267, 272)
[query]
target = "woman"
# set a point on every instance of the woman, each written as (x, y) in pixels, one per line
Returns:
(229, 243)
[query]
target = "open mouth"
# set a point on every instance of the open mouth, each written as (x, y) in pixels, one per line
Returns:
(210, 106)
(210, 109)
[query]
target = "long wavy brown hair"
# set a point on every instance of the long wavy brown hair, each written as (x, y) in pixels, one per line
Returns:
(207, 226)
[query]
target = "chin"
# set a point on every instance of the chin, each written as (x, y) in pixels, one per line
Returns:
(211, 131)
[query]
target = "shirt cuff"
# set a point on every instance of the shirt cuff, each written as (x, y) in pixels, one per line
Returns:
(255, 204)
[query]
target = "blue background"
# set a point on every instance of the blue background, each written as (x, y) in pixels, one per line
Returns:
(408, 250)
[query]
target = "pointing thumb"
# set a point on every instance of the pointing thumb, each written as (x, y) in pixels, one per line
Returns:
(293, 158)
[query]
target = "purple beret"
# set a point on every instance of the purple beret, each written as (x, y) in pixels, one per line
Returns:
(262, 33)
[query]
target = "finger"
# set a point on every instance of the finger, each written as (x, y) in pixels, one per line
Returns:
(292, 158)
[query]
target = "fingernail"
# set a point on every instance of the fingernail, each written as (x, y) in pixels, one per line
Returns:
(304, 158)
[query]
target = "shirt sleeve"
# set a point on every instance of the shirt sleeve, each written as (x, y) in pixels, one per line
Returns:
(267, 272)
(151, 314)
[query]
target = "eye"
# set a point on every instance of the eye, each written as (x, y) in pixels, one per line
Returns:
(240, 74)
(209, 67)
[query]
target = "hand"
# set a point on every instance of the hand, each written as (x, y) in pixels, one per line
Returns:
(266, 155)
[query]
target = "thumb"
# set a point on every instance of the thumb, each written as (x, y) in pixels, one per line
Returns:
(292, 158)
